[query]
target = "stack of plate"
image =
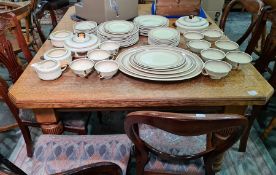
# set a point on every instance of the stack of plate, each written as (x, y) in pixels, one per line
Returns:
(191, 23)
(164, 36)
(85, 27)
(148, 22)
(160, 63)
(123, 32)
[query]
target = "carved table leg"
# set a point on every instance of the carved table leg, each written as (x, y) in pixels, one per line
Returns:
(50, 123)
(267, 130)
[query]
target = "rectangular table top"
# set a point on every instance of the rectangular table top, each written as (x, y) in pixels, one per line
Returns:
(241, 87)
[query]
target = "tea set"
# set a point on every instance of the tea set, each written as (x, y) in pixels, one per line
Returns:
(82, 50)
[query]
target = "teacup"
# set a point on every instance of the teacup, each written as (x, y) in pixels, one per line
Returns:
(98, 55)
(226, 45)
(216, 69)
(237, 58)
(107, 68)
(212, 34)
(198, 45)
(110, 46)
(82, 67)
(192, 35)
(212, 54)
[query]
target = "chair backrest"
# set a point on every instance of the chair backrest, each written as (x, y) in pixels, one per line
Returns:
(9, 21)
(8, 57)
(101, 168)
(9, 168)
(252, 6)
(225, 130)
(38, 13)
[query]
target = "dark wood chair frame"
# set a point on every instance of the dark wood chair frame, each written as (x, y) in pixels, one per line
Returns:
(8, 59)
(216, 126)
(38, 13)
(101, 168)
(255, 7)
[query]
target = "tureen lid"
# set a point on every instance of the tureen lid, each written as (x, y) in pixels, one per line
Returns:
(61, 35)
(81, 40)
(85, 26)
(192, 21)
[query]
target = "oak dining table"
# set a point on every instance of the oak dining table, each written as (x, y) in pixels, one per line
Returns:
(241, 88)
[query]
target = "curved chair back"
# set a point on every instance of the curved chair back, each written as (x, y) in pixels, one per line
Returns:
(222, 132)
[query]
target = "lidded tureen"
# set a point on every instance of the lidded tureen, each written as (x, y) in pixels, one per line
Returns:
(81, 43)
(191, 23)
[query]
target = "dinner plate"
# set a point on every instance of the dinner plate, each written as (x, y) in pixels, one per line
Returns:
(84, 26)
(118, 27)
(125, 66)
(159, 59)
(150, 20)
(164, 33)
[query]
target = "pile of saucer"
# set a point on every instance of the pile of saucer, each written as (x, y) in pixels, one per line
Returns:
(160, 63)
(89, 27)
(123, 32)
(191, 23)
(164, 36)
(149, 22)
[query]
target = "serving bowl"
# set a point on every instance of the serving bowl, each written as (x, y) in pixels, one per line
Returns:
(212, 54)
(48, 69)
(193, 35)
(198, 45)
(82, 67)
(226, 45)
(216, 69)
(110, 46)
(212, 34)
(59, 54)
(237, 58)
(57, 38)
(89, 27)
(98, 55)
(107, 68)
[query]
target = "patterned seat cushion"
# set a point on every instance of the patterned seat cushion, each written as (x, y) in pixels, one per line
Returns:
(54, 154)
(175, 145)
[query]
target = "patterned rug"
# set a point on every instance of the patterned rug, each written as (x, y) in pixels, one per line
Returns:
(256, 161)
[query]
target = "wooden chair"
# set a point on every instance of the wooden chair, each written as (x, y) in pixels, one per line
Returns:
(25, 118)
(100, 168)
(9, 21)
(170, 143)
(38, 13)
(22, 14)
(252, 6)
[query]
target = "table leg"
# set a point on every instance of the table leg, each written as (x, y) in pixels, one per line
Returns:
(49, 121)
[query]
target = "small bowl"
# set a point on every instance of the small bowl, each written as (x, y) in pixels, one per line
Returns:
(198, 45)
(107, 69)
(212, 34)
(57, 38)
(216, 69)
(212, 54)
(62, 55)
(236, 58)
(82, 67)
(226, 45)
(98, 55)
(192, 35)
(110, 46)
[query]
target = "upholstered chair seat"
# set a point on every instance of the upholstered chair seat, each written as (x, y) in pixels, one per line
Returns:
(57, 153)
(174, 145)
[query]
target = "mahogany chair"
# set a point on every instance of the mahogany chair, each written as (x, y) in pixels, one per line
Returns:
(38, 13)
(9, 21)
(25, 118)
(170, 143)
(101, 168)
(254, 7)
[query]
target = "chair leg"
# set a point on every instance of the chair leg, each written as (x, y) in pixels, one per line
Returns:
(141, 160)
(267, 130)
(28, 140)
